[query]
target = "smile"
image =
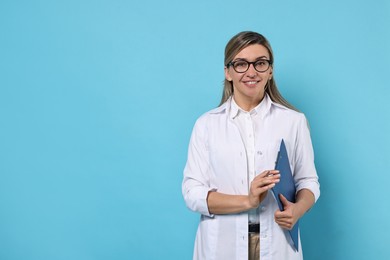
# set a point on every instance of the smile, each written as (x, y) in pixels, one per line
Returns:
(251, 82)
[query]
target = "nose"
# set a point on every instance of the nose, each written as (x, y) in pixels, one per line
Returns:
(251, 72)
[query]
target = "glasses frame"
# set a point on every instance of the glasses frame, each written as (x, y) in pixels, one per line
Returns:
(249, 64)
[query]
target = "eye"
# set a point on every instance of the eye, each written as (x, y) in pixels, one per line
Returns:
(240, 64)
(262, 63)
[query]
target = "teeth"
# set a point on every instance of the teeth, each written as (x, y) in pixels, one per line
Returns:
(251, 82)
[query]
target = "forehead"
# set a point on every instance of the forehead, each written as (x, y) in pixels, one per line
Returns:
(253, 52)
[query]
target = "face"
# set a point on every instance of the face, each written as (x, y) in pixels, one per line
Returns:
(249, 86)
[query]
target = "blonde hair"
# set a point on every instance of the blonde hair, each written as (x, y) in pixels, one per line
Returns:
(234, 46)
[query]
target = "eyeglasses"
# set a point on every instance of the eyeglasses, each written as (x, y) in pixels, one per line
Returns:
(241, 66)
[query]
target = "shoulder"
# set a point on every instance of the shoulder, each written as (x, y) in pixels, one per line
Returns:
(213, 113)
(210, 121)
(286, 114)
(278, 108)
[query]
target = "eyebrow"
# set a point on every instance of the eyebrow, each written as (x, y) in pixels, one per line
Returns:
(258, 58)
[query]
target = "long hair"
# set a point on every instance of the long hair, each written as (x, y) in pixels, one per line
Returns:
(234, 46)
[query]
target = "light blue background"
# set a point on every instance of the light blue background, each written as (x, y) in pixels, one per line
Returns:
(98, 100)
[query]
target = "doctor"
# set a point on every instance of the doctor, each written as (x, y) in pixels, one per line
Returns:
(231, 157)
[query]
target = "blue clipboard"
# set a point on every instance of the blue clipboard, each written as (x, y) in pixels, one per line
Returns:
(286, 186)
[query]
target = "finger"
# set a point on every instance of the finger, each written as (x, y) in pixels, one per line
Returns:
(259, 190)
(285, 221)
(282, 217)
(283, 214)
(258, 181)
(263, 182)
(284, 201)
(287, 226)
(268, 173)
(273, 176)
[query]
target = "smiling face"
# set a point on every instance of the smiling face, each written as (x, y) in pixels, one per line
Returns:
(249, 86)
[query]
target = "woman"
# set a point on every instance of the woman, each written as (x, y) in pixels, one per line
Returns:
(231, 158)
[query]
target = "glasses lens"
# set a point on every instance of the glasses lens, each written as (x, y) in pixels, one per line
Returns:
(241, 66)
(261, 65)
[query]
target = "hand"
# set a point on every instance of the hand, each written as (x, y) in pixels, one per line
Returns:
(260, 185)
(289, 216)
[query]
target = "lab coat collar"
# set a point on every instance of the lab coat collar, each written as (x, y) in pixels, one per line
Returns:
(232, 108)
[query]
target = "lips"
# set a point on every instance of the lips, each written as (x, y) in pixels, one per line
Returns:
(251, 82)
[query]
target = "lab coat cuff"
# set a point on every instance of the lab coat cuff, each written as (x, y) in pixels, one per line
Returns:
(313, 187)
(207, 207)
(196, 200)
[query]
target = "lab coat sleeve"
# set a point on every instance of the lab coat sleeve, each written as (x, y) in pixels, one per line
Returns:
(196, 180)
(305, 173)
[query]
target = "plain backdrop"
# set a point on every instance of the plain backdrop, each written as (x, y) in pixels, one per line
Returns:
(98, 100)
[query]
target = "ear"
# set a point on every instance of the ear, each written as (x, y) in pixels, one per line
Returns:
(227, 75)
(270, 73)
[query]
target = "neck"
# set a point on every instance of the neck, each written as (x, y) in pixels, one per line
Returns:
(247, 104)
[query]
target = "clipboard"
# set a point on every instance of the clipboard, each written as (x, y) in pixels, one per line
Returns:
(286, 186)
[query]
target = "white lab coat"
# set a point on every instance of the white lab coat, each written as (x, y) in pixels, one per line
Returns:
(217, 161)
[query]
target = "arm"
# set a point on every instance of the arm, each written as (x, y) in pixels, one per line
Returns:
(196, 178)
(305, 177)
(305, 200)
(219, 203)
